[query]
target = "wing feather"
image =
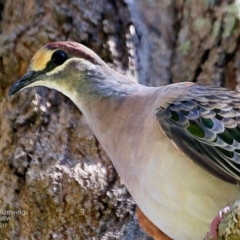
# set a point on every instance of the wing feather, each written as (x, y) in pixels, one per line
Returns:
(205, 124)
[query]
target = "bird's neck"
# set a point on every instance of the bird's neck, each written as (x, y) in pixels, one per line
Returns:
(118, 122)
(109, 84)
(112, 107)
(101, 100)
(101, 91)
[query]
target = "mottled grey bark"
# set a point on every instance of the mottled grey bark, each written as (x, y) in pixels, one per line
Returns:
(179, 40)
(55, 180)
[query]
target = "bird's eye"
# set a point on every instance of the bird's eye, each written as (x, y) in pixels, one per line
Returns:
(59, 57)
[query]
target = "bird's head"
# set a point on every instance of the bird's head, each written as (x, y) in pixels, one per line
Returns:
(64, 66)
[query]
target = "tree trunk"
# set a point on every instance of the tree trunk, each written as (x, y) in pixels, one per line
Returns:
(56, 181)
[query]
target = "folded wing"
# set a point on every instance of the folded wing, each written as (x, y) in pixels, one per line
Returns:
(205, 124)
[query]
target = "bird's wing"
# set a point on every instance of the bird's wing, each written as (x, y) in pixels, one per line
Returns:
(204, 123)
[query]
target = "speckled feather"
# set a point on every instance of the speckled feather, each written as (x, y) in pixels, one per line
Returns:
(205, 124)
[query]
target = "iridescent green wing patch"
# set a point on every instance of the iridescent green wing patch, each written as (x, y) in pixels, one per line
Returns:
(205, 125)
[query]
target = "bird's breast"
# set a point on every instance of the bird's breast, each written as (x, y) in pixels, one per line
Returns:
(174, 193)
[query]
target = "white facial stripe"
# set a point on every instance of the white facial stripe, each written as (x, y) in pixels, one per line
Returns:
(48, 84)
(61, 67)
(54, 85)
(37, 84)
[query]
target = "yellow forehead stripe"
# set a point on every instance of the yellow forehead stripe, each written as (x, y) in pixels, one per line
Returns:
(40, 59)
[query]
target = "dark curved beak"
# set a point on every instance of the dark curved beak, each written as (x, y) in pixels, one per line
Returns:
(29, 77)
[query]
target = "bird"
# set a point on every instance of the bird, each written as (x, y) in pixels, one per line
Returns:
(175, 147)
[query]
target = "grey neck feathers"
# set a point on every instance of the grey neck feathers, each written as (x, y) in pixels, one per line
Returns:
(107, 83)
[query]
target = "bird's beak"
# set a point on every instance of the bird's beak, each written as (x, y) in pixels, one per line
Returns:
(30, 77)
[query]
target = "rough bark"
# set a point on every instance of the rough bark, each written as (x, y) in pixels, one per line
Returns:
(56, 181)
